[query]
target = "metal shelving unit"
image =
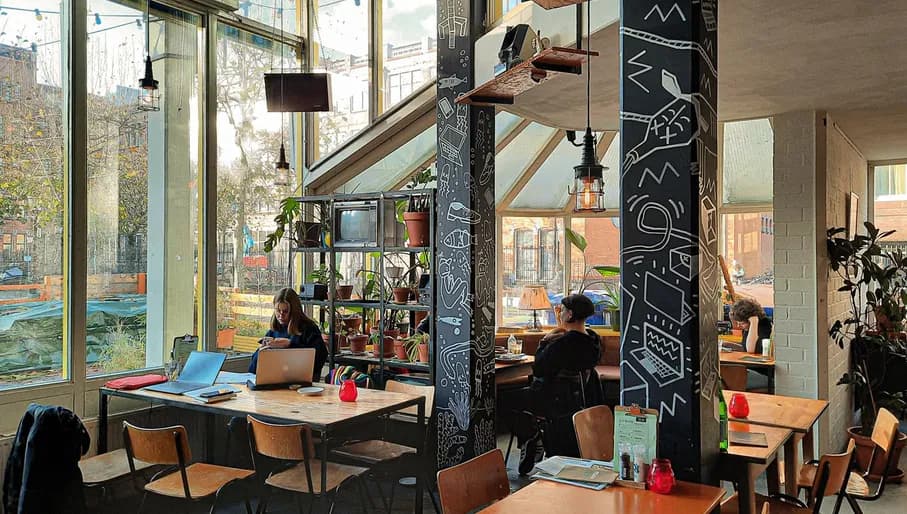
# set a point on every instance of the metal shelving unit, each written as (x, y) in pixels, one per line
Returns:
(328, 257)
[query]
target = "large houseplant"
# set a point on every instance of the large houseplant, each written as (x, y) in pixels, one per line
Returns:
(875, 281)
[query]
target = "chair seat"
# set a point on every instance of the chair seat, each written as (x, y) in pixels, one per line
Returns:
(294, 479)
(856, 484)
(514, 381)
(608, 373)
(374, 451)
(108, 466)
(731, 506)
(204, 480)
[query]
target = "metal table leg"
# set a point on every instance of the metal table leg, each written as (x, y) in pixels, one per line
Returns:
(420, 451)
(102, 421)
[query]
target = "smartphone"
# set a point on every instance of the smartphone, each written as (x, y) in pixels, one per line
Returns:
(217, 392)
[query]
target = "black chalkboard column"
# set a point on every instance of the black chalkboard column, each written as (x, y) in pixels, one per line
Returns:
(669, 224)
(464, 262)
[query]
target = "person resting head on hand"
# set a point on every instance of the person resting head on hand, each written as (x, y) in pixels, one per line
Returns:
(756, 325)
(291, 328)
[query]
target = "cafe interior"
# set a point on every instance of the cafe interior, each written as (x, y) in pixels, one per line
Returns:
(493, 256)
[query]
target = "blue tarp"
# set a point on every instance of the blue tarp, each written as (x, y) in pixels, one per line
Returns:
(123, 306)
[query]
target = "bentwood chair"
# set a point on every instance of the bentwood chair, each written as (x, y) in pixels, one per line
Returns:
(784, 504)
(170, 446)
(884, 436)
(477, 482)
(102, 471)
(300, 472)
(595, 432)
(390, 458)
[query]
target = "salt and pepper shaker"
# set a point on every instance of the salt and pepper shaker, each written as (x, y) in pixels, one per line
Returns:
(626, 462)
(639, 463)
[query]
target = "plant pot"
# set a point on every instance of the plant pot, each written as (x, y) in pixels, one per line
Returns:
(417, 225)
(400, 350)
(615, 320)
(423, 352)
(386, 348)
(308, 234)
(352, 324)
(344, 292)
(863, 452)
(420, 315)
(358, 342)
(401, 294)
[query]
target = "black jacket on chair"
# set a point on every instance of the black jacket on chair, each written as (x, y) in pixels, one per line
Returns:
(42, 473)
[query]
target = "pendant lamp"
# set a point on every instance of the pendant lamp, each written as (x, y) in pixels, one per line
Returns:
(149, 94)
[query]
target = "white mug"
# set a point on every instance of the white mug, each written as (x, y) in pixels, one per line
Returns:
(766, 347)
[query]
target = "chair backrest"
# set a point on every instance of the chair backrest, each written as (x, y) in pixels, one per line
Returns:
(416, 390)
(595, 432)
(838, 472)
(734, 377)
(474, 483)
(168, 445)
(284, 442)
(885, 430)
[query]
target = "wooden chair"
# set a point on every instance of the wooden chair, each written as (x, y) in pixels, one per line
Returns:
(103, 470)
(382, 455)
(595, 432)
(301, 472)
(784, 504)
(477, 482)
(170, 446)
(734, 377)
(884, 436)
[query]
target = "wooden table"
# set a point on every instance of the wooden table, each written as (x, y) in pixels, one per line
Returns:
(510, 372)
(324, 413)
(742, 464)
(546, 497)
(797, 414)
(751, 360)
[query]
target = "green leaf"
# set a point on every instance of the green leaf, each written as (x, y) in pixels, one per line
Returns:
(576, 239)
(607, 271)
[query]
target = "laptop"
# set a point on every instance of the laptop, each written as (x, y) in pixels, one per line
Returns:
(200, 371)
(279, 368)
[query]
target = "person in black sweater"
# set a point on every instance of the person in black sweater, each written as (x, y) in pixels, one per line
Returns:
(756, 325)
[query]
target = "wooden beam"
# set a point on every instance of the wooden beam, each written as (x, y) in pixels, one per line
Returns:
(600, 150)
(543, 153)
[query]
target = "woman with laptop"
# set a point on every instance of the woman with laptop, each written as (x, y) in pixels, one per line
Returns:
(291, 328)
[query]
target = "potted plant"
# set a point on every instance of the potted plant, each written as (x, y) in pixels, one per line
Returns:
(875, 281)
(358, 342)
(612, 299)
(352, 322)
(307, 234)
(400, 349)
(415, 211)
(417, 347)
(344, 291)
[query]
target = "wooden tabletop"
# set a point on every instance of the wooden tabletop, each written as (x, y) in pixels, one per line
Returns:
(797, 414)
(321, 411)
(746, 359)
(527, 360)
(546, 497)
(774, 436)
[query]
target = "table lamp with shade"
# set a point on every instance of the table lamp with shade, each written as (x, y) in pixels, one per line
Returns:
(534, 298)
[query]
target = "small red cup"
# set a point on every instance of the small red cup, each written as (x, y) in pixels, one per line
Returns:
(739, 407)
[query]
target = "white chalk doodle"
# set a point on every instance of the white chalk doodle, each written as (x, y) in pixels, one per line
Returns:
(643, 68)
(672, 409)
(658, 178)
(665, 15)
(667, 299)
(452, 141)
(458, 238)
(459, 212)
(453, 24)
(661, 355)
(671, 127)
(682, 262)
(446, 108)
(450, 82)
(708, 218)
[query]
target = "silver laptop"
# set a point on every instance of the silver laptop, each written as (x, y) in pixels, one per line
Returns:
(278, 368)
(200, 371)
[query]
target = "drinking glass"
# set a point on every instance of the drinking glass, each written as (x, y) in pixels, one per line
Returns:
(739, 407)
(661, 476)
(515, 347)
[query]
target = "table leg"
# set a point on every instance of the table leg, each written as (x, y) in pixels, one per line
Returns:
(791, 464)
(210, 437)
(771, 380)
(773, 477)
(808, 452)
(746, 490)
(420, 452)
(324, 463)
(102, 421)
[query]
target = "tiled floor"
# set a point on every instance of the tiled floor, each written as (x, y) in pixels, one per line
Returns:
(894, 500)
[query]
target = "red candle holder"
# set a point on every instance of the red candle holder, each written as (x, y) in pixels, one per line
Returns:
(661, 476)
(739, 406)
(348, 391)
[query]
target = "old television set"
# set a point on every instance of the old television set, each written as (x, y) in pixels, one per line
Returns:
(355, 224)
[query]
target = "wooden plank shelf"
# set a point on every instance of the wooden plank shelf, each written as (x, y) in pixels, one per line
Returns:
(548, 63)
(554, 4)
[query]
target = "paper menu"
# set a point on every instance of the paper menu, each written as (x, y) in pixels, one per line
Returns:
(635, 426)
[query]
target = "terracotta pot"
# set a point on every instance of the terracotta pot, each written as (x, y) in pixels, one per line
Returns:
(420, 315)
(352, 324)
(401, 294)
(358, 342)
(400, 350)
(863, 453)
(423, 352)
(386, 348)
(417, 225)
(344, 292)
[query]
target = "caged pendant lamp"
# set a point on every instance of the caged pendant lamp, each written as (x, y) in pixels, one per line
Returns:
(149, 94)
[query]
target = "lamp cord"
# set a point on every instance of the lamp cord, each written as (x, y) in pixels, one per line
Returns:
(589, 63)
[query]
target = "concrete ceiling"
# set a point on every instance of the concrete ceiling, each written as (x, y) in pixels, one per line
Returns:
(848, 58)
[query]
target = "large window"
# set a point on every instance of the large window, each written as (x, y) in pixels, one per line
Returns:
(141, 268)
(891, 200)
(249, 189)
(533, 253)
(340, 47)
(409, 40)
(602, 237)
(31, 193)
(748, 250)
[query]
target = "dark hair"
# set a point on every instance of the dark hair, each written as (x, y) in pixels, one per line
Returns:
(579, 305)
(745, 309)
(298, 318)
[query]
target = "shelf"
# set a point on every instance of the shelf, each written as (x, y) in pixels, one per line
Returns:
(358, 303)
(416, 307)
(546, 64)
(554, 4)
(388, 362)
(320, 303)
(364, 249)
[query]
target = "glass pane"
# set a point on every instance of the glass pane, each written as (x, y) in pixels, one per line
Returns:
(509, 4)
(410, 47)
(271, 12)
(611, 162)
(141, 269)
(748, 154)
(748, 250)
(31, 193)
(603, 249)
(891, 200)
(548, 188)
(386, 173)
(533, 254)
(341, 48)
(513, 159)
(249, 190)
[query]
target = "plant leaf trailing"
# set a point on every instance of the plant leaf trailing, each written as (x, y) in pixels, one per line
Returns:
(290, 210)
(875, 281)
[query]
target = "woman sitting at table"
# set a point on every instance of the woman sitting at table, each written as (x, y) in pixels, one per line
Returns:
(291, 328)
(756, 326)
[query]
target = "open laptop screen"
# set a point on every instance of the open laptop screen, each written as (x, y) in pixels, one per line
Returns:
(202, 367)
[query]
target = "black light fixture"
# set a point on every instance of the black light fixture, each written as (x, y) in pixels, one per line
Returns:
(589, 181)
(149, 94)
(281, 166)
